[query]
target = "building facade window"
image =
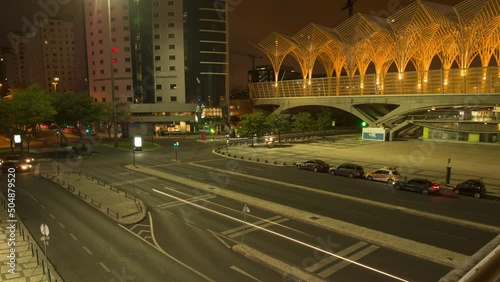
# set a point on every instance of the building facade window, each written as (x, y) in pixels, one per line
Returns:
(173, 86)
(173, 98)
(158, 86)
(159, 99)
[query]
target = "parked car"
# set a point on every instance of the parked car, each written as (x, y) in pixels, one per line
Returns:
(423, 186)
(474, 187)
(383, 174)
(348, 169)
(17, 159)
(314, 165)
(18, 166)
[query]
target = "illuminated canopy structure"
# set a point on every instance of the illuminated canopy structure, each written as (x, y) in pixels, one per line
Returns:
(419, 33)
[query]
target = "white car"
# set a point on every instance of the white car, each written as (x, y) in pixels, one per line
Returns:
(388, 175)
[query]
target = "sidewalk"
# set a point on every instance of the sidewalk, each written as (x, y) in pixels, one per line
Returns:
(24, 260)
(413, 158)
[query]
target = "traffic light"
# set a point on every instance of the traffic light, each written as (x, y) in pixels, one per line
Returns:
(363, 123)
(176, 144)
(57, 131)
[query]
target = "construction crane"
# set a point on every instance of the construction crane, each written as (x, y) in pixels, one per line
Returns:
(349, 6)
(252, 56)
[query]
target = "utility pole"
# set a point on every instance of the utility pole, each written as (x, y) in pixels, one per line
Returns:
(349, 6)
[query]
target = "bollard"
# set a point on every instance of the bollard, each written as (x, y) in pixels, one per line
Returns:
(43, 267)
(37, 261)
(448, 175)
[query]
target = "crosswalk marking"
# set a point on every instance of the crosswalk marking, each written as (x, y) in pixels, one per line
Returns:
(334, 268)
(255, 223)
(235, 232)
(322, 263)
(192, 200)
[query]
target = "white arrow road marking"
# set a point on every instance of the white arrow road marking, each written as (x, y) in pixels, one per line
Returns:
(237, 269)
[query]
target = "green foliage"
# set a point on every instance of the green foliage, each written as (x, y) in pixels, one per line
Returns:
(324, 119)
(303, 121)
(23, 110)
(251, 124)
(278, 122)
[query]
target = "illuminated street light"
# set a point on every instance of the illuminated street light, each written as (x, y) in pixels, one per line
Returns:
(55, 82)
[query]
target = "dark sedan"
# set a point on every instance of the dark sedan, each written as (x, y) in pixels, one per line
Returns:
(349, 170)
(474, 187)
(18, 166)
(423, 186)
(314, 165)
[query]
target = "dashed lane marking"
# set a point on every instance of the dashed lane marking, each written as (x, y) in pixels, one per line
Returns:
(104, 266)
(87, 250)
(62, 225)
(73, 236)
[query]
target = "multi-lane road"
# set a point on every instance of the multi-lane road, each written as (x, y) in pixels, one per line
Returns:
(330, 227)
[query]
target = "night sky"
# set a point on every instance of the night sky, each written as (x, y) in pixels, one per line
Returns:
(249, 20)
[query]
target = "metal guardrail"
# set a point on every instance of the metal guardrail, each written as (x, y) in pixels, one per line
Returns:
(441, 81)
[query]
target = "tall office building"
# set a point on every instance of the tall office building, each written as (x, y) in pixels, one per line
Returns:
(167, 59)
(48, 58)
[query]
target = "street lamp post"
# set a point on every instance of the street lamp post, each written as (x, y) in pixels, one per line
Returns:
(55, 82)
(113, 102)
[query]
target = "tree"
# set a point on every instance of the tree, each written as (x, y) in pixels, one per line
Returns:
(324, 120)
(79, 110)
(303, 121)
(252, 124)
(22, 111)
(278, 122)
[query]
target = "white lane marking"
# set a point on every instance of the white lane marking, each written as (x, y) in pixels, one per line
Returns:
(195, 177)
(411, 211)
(53, 216)
(329, 271)
(251, 229)
(473, 213)
(168, 255)
(42, 206)
(255, 223)
(133, 181)
(29, 194)
(446, 234)
(152, 230)
(219, 238)
(282, 236)
(364, 214)
(87, 250)
(105, 267)
(62, 225)
(178, 203)
(237, 269)
(322, 263)
(142, 225)
(73, 236)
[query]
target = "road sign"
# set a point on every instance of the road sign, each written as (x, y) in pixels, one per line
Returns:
(44, 228)
(246, 209)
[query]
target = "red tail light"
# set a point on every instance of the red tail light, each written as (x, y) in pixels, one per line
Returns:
(435, 187)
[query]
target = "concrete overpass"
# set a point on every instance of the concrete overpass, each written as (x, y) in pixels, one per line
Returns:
(381, 103)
